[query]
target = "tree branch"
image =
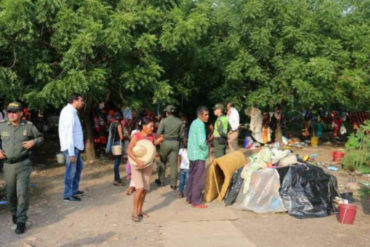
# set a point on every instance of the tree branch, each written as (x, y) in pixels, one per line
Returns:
(15, 59)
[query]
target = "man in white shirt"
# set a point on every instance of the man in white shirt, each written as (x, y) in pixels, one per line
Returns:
(71, 143)
(233, 117)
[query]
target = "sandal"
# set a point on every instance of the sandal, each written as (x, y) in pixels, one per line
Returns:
(143, 215)
(200, 206)
(135, 218)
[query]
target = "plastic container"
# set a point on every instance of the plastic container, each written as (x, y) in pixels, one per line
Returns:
(60, 159)
(347, 213)
(314, 141)
(337, 156)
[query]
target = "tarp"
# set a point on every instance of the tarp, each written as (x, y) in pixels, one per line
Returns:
(234, 187)
(263, 194)
(307, 191)
(219, 174)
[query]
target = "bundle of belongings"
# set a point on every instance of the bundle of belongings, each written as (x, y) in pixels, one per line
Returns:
(271, 181)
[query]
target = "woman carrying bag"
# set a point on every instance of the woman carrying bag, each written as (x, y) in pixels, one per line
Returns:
(114, 145)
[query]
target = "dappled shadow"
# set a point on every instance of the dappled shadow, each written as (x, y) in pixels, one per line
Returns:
(169, 197)
(101, 238)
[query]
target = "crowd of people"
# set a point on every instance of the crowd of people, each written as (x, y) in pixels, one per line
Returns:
(137, 140)
(122, 134)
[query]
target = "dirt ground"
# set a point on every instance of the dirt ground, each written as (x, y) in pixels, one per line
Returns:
(102, 218)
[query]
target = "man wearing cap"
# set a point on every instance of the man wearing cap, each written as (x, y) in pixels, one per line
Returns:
(172, 129)
(220, 131)
(18, 137)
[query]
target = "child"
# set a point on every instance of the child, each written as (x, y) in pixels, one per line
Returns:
(183, 162)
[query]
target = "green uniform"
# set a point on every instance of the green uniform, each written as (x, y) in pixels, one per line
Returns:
(172, 129)
(220, 136)
(17, 166)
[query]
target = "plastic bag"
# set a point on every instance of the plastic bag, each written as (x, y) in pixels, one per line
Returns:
(234, 187)
(263, 194)
(307, 191)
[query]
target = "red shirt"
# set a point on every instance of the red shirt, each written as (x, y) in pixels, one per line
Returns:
(140, 137)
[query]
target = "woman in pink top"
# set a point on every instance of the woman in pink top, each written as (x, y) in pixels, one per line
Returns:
(141, 175)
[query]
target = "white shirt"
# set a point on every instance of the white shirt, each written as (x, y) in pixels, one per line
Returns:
(70, 130)
(233, 118)
(183, 152)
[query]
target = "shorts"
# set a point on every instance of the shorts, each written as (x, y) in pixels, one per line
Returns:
(141, 177)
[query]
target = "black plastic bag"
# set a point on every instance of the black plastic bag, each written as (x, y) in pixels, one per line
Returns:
(307, 191)
(234, 187)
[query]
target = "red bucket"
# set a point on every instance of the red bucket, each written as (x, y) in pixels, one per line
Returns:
(337, 156)
(347, 213)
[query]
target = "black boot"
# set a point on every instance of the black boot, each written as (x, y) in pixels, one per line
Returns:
(14, 217)
(21, 228)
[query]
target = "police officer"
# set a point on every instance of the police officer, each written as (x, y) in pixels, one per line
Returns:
(18, 137)
(220, 131)
(172, 129)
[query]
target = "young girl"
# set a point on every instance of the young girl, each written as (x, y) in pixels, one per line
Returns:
(183, 162)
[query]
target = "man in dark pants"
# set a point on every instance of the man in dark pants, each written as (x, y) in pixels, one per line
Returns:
(172, 129)
(197, 153)
(220, 131)
(18, 137)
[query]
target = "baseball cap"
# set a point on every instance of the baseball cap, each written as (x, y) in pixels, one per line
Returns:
(15, 106)
(170, 109)
(218, 106)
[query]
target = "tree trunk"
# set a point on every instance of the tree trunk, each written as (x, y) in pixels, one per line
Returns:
(279, 131)
(89, 142)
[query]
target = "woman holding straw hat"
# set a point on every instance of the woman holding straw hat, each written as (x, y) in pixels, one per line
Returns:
(141, 152)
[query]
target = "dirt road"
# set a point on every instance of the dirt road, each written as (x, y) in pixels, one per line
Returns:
(102, 218)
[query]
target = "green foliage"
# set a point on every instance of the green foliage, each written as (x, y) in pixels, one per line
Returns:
(357, 150)
(364, 192)
(293, 53)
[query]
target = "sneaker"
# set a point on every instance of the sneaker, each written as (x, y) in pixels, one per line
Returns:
(79, 193)
(14, 218)
(118, 183)
(72, 199)
(21, 228)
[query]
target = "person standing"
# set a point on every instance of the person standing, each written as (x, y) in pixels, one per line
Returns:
(220, 131)
(115, 139)
(233, 117)
(183, 163)
(172, 129)
(71, 144)
(141, 167)
(18, 137)
(197, 154)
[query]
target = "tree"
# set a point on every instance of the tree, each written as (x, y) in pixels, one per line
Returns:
(265, 53)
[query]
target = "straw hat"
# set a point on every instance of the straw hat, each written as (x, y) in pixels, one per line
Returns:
(144, 150)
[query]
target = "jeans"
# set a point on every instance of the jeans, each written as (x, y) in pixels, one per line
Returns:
(184, 175)
(117, 163)
(72, 174)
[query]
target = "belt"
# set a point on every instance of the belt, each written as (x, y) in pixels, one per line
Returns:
(171, 139)
(16, 160)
